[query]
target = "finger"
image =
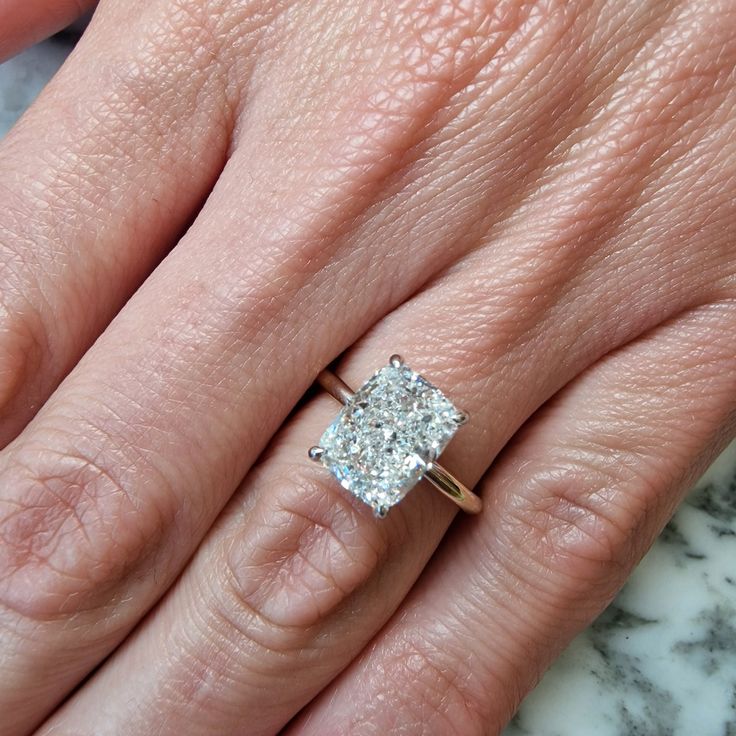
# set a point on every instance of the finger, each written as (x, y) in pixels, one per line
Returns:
(25, 22)
(290, 569)
(212, 626)
(130, 461)
(98, 180)
(571, 508)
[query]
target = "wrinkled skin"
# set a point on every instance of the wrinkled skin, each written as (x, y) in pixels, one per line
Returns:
(533, 202)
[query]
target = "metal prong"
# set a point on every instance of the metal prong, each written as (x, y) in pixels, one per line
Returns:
(396, 361)
(380, 512)
(461, 418)
(315, 453)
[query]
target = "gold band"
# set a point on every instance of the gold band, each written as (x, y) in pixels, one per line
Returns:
(440, 478)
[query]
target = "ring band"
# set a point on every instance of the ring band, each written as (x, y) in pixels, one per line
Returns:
(388, 437)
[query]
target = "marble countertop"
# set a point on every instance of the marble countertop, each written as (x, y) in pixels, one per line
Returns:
(661, 661)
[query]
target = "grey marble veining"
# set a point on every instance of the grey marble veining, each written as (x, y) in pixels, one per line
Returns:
(661, 661)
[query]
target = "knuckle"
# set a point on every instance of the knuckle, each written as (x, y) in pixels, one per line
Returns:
(205, 43)
(177, 79)
(576, 519)
(70, 534)
(314, 548)
(452, 42)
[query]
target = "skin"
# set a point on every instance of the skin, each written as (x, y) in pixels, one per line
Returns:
(531, 201)
(29, 21)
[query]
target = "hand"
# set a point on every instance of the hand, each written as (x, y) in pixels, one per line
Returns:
(531, 201)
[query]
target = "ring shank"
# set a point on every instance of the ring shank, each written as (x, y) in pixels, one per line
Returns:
(451, 487)
(440, 478)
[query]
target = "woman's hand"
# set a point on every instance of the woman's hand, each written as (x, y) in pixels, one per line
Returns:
(533, 202)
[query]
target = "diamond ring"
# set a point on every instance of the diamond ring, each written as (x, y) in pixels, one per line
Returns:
(388, 436)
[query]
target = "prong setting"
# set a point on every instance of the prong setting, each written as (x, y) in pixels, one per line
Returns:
(315, 453)
(387, 436)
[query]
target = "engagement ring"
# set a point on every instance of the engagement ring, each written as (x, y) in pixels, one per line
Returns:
(388, 436)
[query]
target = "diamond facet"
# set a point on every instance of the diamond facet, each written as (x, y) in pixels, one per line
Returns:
(383, 441)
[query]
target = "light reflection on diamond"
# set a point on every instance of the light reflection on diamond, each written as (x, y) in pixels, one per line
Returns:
(380, 444)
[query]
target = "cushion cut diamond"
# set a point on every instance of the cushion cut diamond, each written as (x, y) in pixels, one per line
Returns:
(382, 441)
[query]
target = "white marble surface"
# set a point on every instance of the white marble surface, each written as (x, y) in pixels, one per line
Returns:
(23, 77)
(662, 660)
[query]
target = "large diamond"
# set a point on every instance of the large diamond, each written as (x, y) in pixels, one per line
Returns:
(382, 441)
